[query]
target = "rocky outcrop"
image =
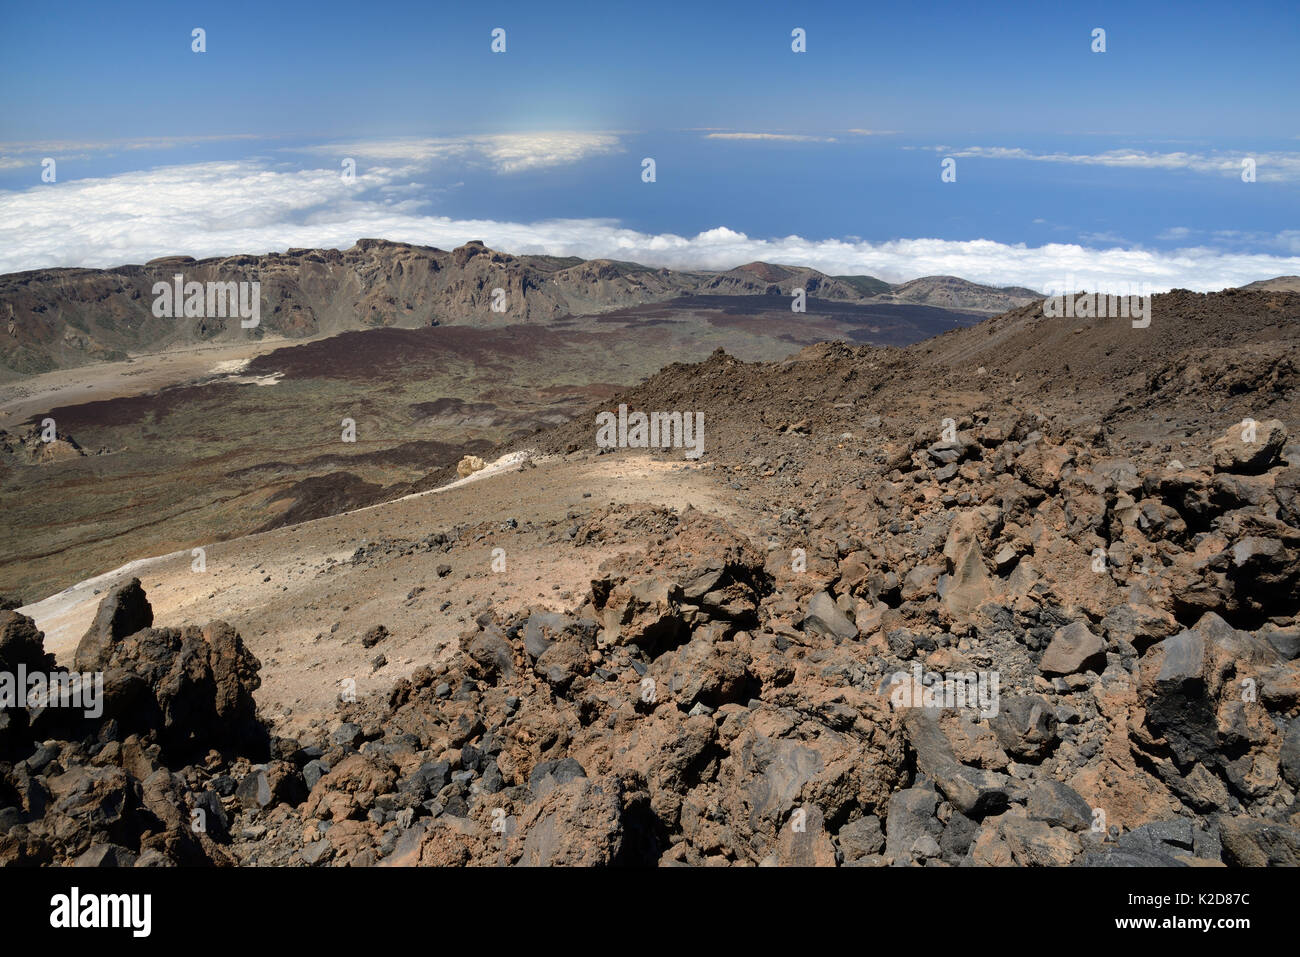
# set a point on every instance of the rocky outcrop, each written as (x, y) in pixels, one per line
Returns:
(468, 465)
(128, 764)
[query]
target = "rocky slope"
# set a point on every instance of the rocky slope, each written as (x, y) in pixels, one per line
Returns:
(947, 291)
(59, 318)
(1104, 520)
(1277, 284)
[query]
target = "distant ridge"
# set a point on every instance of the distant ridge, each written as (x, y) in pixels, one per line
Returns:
(946, 291)
(1277, 284)
(67, 317)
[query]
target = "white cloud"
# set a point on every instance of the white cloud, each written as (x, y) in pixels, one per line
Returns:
(506, 152)
(1273, 167)
(721, 133)
(223, 208)
(783, 137)
(35, 161)
(1287, 240)
(62, 147)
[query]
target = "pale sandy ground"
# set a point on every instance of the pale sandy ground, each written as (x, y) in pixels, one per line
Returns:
(284, 590)
(144, 373)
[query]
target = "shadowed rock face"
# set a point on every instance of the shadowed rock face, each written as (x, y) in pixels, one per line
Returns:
(123, 612)
(106, 782)
(21, 644)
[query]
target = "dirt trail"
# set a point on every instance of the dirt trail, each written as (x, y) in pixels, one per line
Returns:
(301, 601)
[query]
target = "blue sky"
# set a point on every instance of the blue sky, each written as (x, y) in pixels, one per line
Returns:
(1122, 165)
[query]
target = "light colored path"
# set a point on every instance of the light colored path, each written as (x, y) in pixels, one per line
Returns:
(286, 590)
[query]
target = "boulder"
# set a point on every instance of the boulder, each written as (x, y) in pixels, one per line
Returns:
(1233, 453)
(578, 823)
(803, 841)
(1025, 726)
(1073, 648)
(968, 582)
(1058, 804)
(860, 838)
(21, 644)
(469, 465)
(1184, 679)
(1039, 844)
(1252, 842)
(911, 815)
(975, 792)
(1289, 759)
(644, 611)
(493, 654)
(123, 611)
(823, 617)
(541, 629)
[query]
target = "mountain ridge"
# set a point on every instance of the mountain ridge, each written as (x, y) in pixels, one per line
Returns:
(70, 316)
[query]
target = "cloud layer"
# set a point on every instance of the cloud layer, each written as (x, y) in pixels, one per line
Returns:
(223, 208)
(1270, 167)
(505, 152)
(776, 137)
